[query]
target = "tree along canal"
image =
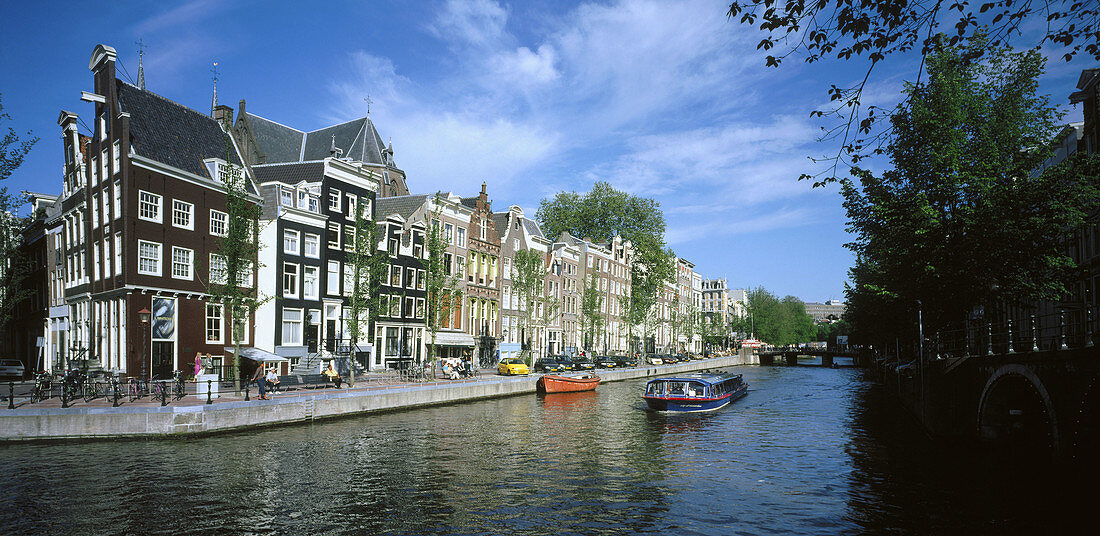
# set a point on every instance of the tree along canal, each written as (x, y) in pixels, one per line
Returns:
(807, 451)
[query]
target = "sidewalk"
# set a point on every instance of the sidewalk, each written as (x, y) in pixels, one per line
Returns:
(191, 416)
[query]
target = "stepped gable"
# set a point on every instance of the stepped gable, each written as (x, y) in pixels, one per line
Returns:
(279, 143)
(403, 206)
(291, 173)
(171, 133)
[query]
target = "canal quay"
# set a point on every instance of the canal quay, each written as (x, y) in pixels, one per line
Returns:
(193, 415)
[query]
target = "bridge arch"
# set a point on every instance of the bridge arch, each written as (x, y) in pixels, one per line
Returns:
(1015, 412)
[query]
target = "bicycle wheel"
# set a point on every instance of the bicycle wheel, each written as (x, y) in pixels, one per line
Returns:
(181, 390)
(132, 390)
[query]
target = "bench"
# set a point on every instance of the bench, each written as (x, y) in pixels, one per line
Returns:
(301, 381)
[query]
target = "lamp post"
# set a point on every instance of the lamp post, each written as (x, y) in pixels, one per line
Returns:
(143, 316)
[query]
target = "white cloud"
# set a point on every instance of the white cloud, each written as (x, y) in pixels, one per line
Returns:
(524, 68)
(477, 23)
(719, 225)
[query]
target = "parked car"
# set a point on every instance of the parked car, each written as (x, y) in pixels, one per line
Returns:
(654, 359)
(628, 360)
(511, 366)
(11, 369)
(583, 363)
(550, 364)
(607, 361)
(670, 359)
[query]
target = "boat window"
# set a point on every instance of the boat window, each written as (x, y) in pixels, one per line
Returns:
(656, 388)
(676, 388)
(696, 389)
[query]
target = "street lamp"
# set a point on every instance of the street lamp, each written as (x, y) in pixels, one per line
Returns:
(143, 316)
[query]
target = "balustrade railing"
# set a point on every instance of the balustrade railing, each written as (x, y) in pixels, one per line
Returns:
(1060, 330)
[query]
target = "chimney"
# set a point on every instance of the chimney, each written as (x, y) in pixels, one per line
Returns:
(224, 116)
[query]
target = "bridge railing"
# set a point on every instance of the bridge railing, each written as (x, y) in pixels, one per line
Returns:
(1059, 330)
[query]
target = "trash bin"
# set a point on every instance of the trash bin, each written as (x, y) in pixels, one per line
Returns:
(202, 381)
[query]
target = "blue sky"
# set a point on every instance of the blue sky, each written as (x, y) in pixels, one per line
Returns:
(666, 100)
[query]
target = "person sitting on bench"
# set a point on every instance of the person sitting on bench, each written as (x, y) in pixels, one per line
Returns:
(332, 375)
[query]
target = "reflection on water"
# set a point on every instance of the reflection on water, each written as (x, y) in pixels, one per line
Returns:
(807, 451)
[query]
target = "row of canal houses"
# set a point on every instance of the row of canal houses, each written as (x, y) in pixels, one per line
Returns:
(122, 261)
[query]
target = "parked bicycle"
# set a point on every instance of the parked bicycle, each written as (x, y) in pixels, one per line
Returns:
(137, 388)
(179, 389)
(43, 385)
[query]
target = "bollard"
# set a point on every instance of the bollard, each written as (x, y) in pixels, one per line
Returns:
(208, 400)
(64, 395)
(1034, 335)
(163, 394)
(114, 384)
(1062, 329)
(1011, 350)
(11, 395)
(246, 392)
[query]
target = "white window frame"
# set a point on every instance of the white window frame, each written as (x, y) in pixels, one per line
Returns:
(118, 252)
(184, 208)
(215, 323)
(214, 274)
(158, 249)
(306, 278)
(291, 323)
(349, 238)
(116, 157)
(316, 250)
(460, 237)
(155, 201)
(338, 228)
(334, 195)
(286, 196)
(291, 280)
(288, 236)
(351, 205)
(189, 265)
(332, 276)
(223, 219)
(118, 199)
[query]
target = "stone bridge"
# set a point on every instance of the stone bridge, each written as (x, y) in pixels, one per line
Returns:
(1042, 402)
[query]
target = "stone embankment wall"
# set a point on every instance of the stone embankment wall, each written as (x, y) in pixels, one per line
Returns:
(181, 420)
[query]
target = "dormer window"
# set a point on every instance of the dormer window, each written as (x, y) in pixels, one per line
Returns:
(286, 197)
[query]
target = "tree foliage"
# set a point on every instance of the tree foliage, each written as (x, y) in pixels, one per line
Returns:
(778, 321)
(443, 295)
(818, 30)
(591, 319)
(528, 282)
(369, 267)
(605, 212)
(15, 264)
(962, 220)
(12, 148)
(232, 285)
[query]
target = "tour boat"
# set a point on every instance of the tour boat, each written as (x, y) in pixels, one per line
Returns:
(694, 392)
(567, 384)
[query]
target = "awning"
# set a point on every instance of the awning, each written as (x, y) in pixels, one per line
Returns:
(452, 338)
(258, 355)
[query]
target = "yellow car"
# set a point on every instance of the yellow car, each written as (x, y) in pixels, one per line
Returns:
(512, 365)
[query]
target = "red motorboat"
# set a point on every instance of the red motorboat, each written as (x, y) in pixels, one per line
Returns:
(567, 384)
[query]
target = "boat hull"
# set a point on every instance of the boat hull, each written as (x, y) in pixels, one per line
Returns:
(677, 404)
(567, 384)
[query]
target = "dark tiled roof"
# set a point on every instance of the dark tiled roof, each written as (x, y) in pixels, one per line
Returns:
(532, 227)
(403, 205)
(279, 143)
(470, 202)
(292, 173)
(171, 133)
(500, 221)
(358, 139)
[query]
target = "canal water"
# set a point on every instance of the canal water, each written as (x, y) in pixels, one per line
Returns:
(807, 451)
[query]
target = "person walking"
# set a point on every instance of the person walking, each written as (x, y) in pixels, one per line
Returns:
(198, 364)
(258, 377)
